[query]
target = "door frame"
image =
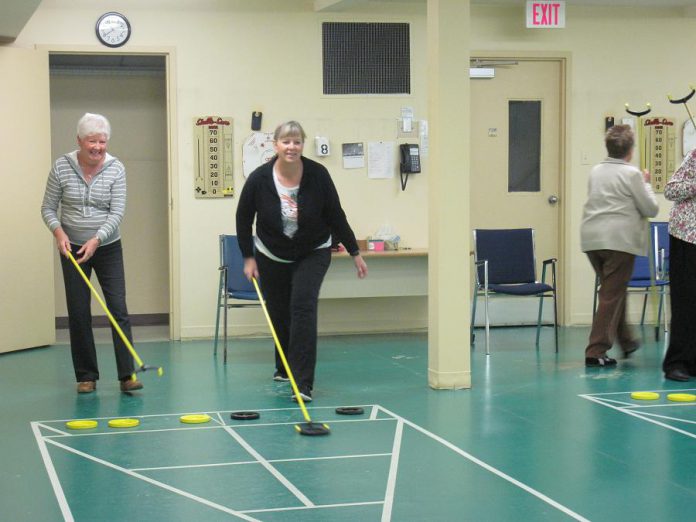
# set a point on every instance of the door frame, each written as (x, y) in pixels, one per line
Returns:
(173, 218)
(564, 60)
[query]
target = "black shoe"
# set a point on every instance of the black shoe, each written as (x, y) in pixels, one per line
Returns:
(677, 374)
(280, 377)
(628, 350)
(600, 361)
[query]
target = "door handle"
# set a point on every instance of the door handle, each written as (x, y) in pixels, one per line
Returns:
(553, 199)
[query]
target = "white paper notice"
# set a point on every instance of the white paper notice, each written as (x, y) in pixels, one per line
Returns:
(380, 159)
(353, 156)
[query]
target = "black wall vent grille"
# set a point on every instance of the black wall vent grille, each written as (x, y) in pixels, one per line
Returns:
(366, 58)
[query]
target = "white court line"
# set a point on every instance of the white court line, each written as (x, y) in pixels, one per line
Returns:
(622, 403)
(271, 469)
(488, 467)
(51, 428)
(199, 427)
(675, 419)
(290, 408)
(375, 410)
(393, 467)
(244, 462)
(670, 404)
(322, 506)
(602, 394)
(154, 482)
(52, 475)
(638, 415)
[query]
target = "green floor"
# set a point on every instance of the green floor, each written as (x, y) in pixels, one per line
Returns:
(538, 437)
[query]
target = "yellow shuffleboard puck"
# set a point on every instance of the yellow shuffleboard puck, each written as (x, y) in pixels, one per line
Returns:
(681, 397)
(197, 418)
(645, 396)
(123, 423)
(81, 424)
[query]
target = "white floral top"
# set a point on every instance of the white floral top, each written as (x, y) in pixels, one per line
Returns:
(681, 189)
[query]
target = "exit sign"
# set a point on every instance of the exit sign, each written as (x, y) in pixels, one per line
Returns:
(545, 14)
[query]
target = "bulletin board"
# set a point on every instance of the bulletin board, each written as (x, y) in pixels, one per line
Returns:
(213, 173)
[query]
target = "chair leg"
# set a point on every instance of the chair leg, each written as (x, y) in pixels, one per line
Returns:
(217, 316)
(645, 304)
(594, 298)
(472, 336)
(555, 320)
(488, 320)
(659, 314)
(538, 328)
(224, 333)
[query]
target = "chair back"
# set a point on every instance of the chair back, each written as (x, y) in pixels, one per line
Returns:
(510, 255)
(641, 269)
(231, 257)
(659, 243)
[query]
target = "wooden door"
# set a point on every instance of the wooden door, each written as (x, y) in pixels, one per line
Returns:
(516, 151)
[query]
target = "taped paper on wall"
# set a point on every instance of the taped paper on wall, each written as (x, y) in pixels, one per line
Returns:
(257, 150)
(380, 159)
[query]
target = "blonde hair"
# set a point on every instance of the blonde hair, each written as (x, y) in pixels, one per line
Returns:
(93, 124)
(289, 128)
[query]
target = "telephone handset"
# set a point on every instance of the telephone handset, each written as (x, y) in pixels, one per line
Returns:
(410, 158)
(410, 161)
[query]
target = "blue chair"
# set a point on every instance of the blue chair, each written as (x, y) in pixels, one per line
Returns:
(650, 274)
(234, 290)
(505, 264)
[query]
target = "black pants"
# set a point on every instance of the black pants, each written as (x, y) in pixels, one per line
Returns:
(681, 353)
(291, 291)
(107, 263)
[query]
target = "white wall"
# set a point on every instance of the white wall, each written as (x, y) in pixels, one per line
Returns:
(236, 57)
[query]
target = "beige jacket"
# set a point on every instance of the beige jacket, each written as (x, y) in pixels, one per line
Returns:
(618, 201)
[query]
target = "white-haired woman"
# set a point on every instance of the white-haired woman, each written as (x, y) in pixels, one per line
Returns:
(88, 185)
(298, 215)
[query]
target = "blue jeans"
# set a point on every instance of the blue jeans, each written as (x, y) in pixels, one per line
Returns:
(291, 291)
(107, 263)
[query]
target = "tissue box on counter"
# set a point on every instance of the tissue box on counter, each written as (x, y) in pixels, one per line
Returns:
(376, 245)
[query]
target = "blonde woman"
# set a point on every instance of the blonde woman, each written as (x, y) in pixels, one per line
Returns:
(297, 212)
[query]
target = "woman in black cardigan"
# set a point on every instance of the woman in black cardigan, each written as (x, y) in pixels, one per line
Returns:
(298, 215)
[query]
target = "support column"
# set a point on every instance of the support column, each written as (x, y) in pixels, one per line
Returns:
(449, 295)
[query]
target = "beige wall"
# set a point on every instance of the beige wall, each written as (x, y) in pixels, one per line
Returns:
(235, 57)
(135, 106)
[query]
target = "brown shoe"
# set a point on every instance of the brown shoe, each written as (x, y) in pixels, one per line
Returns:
(130, 385)
(86, 386)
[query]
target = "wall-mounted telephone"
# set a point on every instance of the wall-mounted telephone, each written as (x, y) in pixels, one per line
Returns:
(410, 161)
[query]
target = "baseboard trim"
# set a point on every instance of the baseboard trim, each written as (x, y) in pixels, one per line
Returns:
(102, 321)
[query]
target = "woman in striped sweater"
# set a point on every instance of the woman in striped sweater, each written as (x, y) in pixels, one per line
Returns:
(88, 186)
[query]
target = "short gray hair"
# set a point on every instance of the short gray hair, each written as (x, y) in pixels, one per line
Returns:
(289, 128)
(93, 124)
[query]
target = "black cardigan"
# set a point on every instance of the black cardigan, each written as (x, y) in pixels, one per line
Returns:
(319, 214)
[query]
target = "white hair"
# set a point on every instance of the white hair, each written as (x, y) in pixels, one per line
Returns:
(93, 124)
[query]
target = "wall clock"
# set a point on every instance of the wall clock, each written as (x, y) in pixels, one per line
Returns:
(113, 29)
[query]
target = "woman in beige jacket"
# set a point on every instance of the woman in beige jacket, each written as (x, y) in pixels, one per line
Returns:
(612, 233)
